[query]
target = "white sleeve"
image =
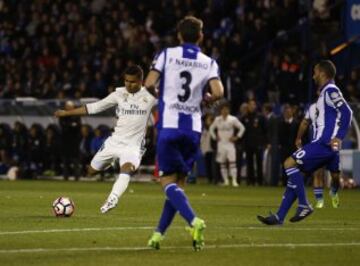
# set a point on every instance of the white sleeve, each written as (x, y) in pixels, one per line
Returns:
(159, 61)
(214, 72)
(240, 127)
(99, 106)
(212, 128)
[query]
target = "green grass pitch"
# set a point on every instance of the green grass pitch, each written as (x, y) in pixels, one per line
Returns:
(30, 235)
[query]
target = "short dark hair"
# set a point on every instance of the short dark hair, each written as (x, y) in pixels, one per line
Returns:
(134, 70)
(190, 28)
(225, 105)
(327, 67)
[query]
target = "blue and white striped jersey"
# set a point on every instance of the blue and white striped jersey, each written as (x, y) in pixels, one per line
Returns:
(185, 72)
(310, 115)
(333, 115)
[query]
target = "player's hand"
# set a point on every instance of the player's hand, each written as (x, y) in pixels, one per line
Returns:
(298, 143)
(335, 144)
(60, 113)
(234, 139)
(209, 101)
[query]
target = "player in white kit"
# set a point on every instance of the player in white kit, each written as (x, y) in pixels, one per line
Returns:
(134, 105)
(226, 124)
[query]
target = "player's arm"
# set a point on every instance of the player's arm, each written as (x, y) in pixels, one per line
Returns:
(90, 108)
(216, 89)
(157, 67)
(151, 82)
(345, 120)
(215, 84)
(345, 111)
(77, 111)
(212, 128)
(301, 131)
(241, 130)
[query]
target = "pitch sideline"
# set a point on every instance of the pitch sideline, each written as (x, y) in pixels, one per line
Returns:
(280, 228)
(251, 245)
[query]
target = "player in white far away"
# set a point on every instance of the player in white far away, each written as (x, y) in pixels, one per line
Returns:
(225, 124)
(134, 105)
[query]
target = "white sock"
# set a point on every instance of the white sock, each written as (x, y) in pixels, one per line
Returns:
(233, 174)
(120, 185)
(224, 173)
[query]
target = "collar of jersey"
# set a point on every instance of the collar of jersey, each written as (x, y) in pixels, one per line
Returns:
(327, 83)
(191, 46)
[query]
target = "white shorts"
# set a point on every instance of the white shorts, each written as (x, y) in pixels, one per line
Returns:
(226, 153)
(112, 150)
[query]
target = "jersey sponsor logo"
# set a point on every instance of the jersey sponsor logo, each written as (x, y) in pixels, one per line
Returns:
(124, 111)
(184, 108)
(334, 95)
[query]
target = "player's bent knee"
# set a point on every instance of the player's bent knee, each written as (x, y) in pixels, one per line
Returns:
(91, 171)
(165, 180)
(127, 168)
(289, 162)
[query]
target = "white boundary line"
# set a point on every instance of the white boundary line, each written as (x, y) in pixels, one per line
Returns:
(251, 245)
(279, 228)
(76, 230)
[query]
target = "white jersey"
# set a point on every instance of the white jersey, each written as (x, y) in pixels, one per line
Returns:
(226, 128)
(185, 72)
(133, 111)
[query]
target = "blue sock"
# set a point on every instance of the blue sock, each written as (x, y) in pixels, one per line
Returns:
(318, 192)
(297, 179)
(335, 184)
(288, 199)
(166, 218)
(179, 201)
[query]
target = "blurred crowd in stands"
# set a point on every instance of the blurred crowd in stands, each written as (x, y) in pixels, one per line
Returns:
(74, 49)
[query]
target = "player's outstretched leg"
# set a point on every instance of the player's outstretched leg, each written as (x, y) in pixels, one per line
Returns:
(304, 208)
(319, 187)
(335, 185)
(287, 200)
(166, 218)
(295, 189)
(118, 189)
(180, 202)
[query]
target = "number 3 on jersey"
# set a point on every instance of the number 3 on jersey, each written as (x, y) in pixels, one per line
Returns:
(186, 76)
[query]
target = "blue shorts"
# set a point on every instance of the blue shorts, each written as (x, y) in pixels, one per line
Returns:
(176, 150)
(316, 155)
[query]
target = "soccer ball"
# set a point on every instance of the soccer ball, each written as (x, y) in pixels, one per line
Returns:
(63, 207)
